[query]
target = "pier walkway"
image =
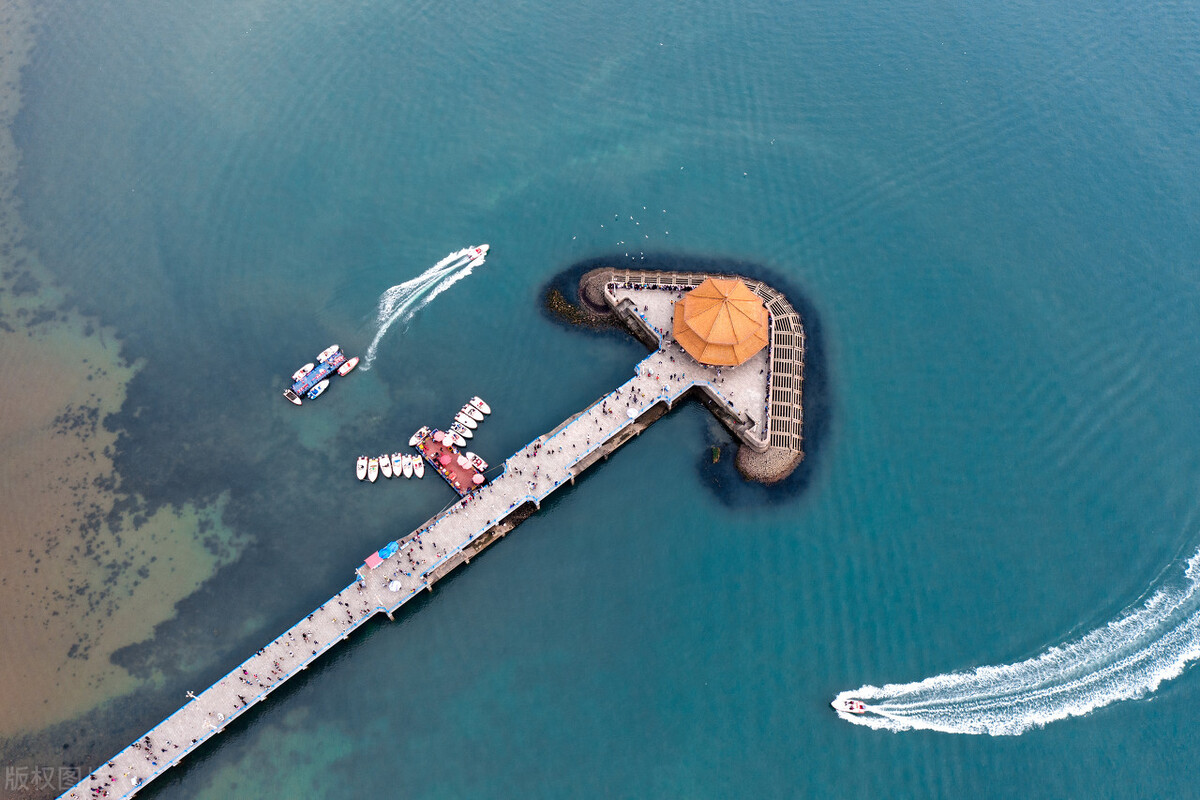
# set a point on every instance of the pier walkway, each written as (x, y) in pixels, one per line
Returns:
(455, 535)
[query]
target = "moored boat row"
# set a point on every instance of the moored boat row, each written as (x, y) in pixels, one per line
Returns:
(467, 420)
(395, 465)
(435, 445)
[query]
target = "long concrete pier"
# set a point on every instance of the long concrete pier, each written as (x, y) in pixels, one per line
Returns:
(758, 400)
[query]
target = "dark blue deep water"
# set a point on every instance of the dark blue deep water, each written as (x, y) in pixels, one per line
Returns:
(991, 208)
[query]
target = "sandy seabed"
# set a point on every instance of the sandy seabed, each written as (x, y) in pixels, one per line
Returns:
(77, 581)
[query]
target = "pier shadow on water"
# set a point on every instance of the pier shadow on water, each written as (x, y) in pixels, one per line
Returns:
(563, 303)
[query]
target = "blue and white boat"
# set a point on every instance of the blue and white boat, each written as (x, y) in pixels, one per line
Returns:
(315, 391)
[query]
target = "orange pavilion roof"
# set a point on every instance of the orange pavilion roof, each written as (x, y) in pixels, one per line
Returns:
(721, 322)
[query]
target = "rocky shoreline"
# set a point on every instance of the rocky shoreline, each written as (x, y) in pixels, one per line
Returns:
(767, 468)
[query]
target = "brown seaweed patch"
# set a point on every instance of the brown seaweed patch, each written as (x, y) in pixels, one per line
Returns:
(564, 310)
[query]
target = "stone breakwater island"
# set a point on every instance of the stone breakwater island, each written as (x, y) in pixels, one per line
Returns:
(732, 343)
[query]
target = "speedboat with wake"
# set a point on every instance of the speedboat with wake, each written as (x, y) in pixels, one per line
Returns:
(478, 253)
(850, 706)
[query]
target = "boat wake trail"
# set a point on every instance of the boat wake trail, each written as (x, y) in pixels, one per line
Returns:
(1126, 659)
(401, 303)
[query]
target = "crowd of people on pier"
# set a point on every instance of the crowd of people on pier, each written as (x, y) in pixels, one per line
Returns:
(528, 477)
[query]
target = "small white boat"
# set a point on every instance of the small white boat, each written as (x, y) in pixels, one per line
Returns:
(348, 367)
(418, 436)
(372, 469)
(477, 253)
(315, 392)
(397, 463)
(408, 466)
(300, 373)
(476, 462)
(292, 396)
(327, 352)
(360, 468)
(482, 406)
(385, 465)
(418, 466)
(850, 706)
(473, 412)
(455, 439)
(461, 430)
(465, 421)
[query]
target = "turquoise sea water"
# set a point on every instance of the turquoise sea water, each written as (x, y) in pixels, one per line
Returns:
(991, 210)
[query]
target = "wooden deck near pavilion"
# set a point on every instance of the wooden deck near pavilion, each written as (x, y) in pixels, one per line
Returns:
(759, 400)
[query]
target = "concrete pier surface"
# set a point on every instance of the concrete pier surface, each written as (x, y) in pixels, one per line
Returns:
(759, 401)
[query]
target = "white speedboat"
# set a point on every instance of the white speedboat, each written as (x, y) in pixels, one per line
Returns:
(300, 373)
(482, 406)
(348, 367)
(327, 352)
(372, 469)
(397, 463)
(455, 439)
(477, 253)
(461, 430)
(418, 436)
(385, 465)
(292, 396)
(418, 466)
(476, 462)
(850, 706)
(473, 412)
(360, 468)
(408, 466)
(465, 421)
(315, 392)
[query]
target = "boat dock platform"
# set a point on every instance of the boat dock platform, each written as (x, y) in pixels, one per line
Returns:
(318, 373)
(461, 479)
(743, 397)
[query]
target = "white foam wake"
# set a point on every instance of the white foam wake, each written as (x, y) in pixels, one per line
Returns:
(401, 303)
(1126, 659)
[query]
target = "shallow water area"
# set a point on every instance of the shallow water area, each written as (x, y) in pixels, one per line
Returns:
(88, 569)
